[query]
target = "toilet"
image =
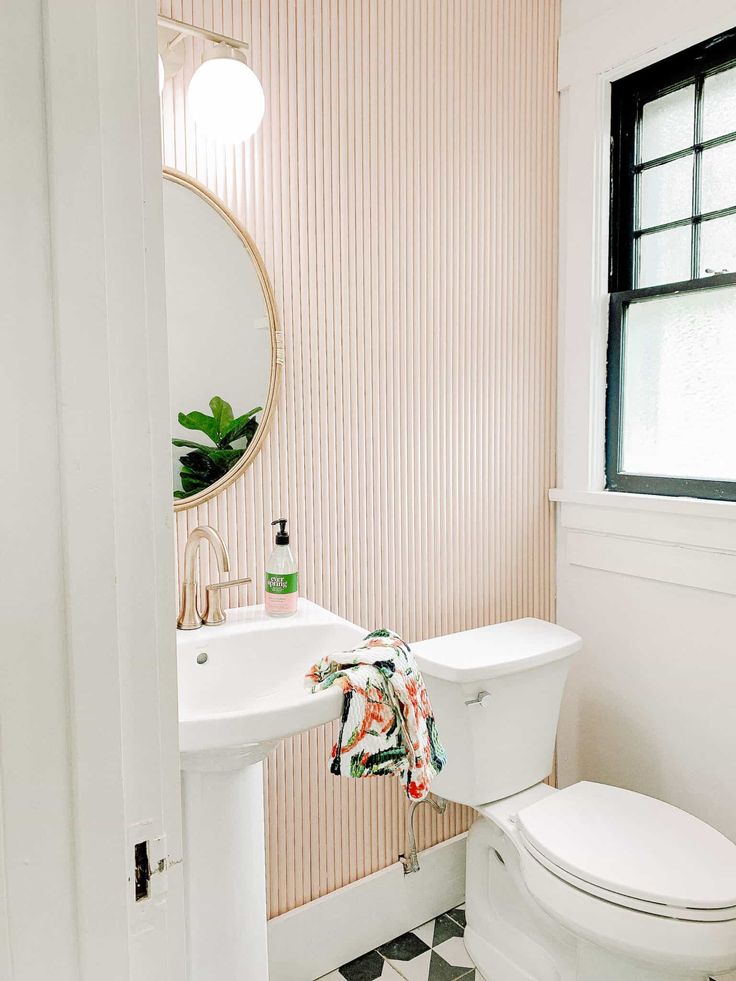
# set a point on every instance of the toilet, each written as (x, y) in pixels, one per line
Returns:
(593, 883)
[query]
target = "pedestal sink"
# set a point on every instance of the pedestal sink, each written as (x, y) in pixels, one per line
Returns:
(241, 690)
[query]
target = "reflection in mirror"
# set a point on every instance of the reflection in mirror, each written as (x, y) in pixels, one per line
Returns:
(222, 342)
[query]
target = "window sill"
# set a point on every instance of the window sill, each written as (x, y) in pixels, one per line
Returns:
(676, 540)
(686, 506)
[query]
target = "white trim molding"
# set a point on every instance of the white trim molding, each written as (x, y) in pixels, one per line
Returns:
(615, 500)
(317, 938)
(674, 540)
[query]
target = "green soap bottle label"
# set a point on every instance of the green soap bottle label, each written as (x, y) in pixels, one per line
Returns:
(281, 583)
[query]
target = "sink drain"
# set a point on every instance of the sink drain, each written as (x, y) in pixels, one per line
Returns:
(202, 658)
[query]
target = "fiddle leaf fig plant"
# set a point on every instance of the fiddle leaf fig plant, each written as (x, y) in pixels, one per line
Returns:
(205, 464)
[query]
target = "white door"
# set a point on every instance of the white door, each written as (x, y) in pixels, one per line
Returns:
(88, 729)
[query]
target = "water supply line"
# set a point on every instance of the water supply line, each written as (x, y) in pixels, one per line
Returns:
(411, 862)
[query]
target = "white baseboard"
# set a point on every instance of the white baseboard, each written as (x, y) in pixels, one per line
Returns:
(317, 938)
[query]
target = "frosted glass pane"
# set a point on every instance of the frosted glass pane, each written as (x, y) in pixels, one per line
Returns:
(664, 257)
(668, 123)
(666, 192)
(719, 177)
(679, 367)
(719, 104)
(718, 245)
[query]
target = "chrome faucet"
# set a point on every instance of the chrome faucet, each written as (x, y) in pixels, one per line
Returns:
(189, 615)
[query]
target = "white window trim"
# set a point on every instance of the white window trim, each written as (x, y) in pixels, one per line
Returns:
(682, 541)
(626, 37)
(689, 507)
(676, 540)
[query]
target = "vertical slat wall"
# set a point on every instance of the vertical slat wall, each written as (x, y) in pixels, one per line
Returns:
(403, 191)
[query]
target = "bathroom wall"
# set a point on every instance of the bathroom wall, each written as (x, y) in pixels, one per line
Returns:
(403, 191)
(649, 582)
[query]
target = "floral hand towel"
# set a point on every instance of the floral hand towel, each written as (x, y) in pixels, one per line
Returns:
(387, 726)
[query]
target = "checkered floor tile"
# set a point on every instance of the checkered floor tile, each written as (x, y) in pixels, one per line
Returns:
(433, 952)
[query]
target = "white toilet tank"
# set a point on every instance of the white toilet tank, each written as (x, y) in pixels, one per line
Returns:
(501, 742)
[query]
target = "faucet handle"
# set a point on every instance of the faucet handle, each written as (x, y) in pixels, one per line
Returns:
(213, 611)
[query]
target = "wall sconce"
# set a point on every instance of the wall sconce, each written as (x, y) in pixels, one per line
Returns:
(225, 97)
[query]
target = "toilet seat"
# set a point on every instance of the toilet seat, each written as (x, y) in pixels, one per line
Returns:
(633, 851)
(699, 946)
(630, 902)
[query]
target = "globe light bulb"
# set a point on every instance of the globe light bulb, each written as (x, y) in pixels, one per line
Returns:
(225, 97)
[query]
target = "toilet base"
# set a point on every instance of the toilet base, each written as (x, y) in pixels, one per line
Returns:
(510, 937)
(591, 964)
(595, 964)
(493, 964)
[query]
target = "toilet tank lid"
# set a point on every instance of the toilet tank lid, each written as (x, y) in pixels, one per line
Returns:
(487, 652)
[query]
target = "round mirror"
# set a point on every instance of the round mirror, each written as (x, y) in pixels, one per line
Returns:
(225, 352)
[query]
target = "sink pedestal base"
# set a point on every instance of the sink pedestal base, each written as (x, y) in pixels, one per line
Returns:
(224, 868)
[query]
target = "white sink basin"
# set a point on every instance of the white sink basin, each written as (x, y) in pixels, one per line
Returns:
(249, 691)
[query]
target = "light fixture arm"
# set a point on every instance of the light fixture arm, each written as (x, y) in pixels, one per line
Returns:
(183, 28)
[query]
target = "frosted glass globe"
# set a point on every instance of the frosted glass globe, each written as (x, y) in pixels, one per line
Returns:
(226, 99)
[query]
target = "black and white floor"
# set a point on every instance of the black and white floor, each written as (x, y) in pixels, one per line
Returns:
(432, 952)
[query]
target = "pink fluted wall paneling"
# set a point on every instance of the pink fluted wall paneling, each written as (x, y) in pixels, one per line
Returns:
(403, 192)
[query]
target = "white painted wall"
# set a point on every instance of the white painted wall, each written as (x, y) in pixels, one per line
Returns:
(649, 583)
(88, 730)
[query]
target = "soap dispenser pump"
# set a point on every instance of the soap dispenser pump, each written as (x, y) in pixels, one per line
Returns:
(282, 578)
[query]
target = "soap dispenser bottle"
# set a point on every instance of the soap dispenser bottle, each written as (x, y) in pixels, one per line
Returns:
(281, 576)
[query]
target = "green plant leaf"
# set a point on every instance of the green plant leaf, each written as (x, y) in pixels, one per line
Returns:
(198, 420)
(210, 463)
(225, 458)
(205, 461)
(193, 483)
(205, 465)
(242, 426)
(188, 442)
(222, 413)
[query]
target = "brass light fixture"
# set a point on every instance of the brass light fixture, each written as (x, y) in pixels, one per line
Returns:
(225, 97)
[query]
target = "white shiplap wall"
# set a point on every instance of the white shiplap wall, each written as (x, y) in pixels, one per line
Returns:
(403, 192)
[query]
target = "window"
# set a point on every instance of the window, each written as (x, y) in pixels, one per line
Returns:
(671, 399)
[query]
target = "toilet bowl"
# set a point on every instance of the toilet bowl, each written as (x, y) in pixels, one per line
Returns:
(591, 882)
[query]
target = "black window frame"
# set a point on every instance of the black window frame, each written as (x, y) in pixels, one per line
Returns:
(628, 97)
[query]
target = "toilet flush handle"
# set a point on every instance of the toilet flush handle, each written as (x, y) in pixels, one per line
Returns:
(483, 698)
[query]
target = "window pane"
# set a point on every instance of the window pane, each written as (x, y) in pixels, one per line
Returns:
(718, 245)
(668, 123)
(666, 192)
(664, 257)
(719, 177)
(679, 377)
(719, 104)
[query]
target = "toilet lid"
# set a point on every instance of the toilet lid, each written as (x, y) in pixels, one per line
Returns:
(633, 845)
